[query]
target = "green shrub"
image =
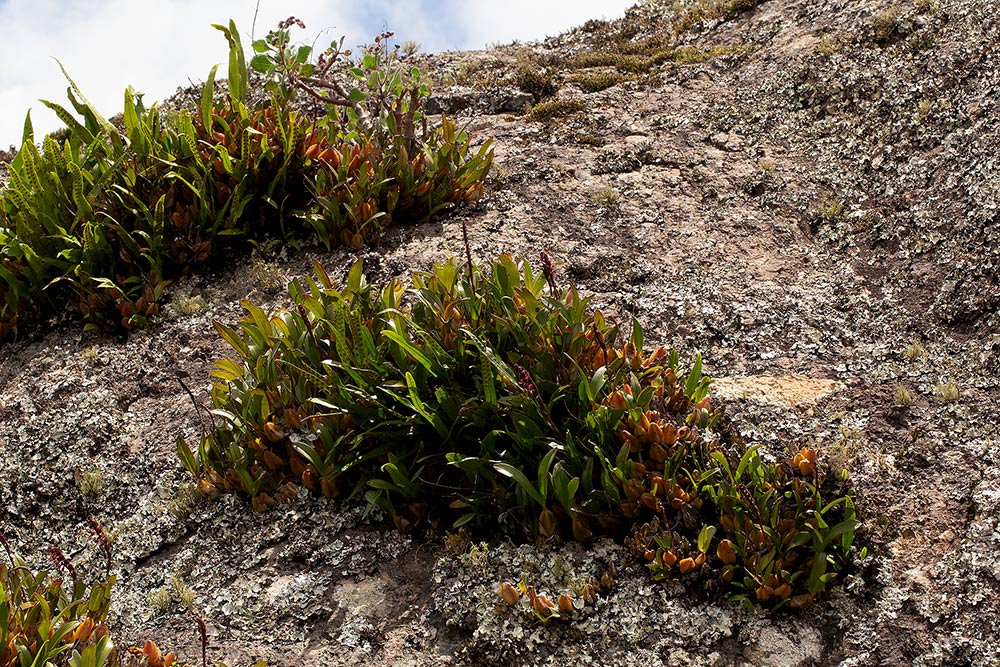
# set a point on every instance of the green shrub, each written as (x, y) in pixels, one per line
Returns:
(495, 399)
(98, 224)
(536, 81)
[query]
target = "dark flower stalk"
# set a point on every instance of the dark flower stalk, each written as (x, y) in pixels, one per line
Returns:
(287, 23)
(102, 542)
(527, 383)
(203, 640)
(549, 270)
(60, 561)
(6, 547)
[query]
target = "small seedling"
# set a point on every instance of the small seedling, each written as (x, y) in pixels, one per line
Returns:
(915, 351)
(410, 47)
(947, 392)
(538, 82)
(884, 26)
(923, 108)
(266, 275)
(185, 306)
(184, 501)
(598, 81)
(159, 598)
(901, 397)
(829, 46)
(831, 209)
(184, 593)
(90, 482)
(606, 197)
(693, 16)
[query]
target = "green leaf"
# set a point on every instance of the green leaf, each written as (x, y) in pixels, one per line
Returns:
(749, 456)
(431, 417)
(491, 356)
(355, 277)
(843, 528)
(106, 126)
(694, 377)
(519, 477)
(207, 99)
(260, 64)
(322, 275)
(186, 456)
(237, 79)
(233, 338)
(409, 348)
(489, 386)
(403, 483)
(543, 471)
(816, 583)
(28, 134)
(82, 134)
(705, 538)
(596, 384)
(637, 335)
(835, 502)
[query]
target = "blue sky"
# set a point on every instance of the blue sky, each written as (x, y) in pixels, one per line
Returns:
(107, 45)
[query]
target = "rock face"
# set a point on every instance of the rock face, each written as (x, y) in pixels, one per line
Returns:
(814, 211)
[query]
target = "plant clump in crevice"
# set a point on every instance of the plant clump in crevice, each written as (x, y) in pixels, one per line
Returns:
(98, 219)
(494, 398)
(557, 108)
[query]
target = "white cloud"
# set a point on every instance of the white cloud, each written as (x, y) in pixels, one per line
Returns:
(107, 45)
(489, 21)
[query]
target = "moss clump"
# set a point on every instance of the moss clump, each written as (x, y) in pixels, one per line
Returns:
(702, 11)
(691, 56)
(623, 62)
(597, 81)
(947, 392)
(555, 109)
(884, 26)
(639, 63)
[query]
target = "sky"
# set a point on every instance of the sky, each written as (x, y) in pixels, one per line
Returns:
(157, 46)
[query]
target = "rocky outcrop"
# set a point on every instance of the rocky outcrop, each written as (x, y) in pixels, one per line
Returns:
(814, 212)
